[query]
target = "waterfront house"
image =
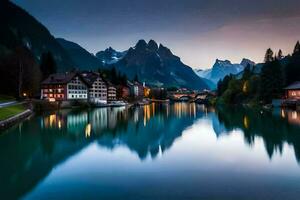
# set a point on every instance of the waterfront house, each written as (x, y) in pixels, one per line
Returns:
(64, 86)
(97, 87)
(123, 91)
(293, 91)
(136, 89)
(111, 92)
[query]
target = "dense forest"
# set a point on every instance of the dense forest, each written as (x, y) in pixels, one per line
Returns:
(261, 87)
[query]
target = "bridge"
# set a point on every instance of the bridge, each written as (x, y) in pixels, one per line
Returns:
(191, 96)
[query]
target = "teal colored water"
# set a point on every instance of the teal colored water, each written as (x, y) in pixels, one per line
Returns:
(177, 151)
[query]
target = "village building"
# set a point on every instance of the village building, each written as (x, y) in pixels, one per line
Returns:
(293, 91)
(64, 86)
(98, 87)
(111, 92)
(136, 89)
(123, 91)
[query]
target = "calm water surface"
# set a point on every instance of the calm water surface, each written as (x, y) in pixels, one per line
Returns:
(178, 151)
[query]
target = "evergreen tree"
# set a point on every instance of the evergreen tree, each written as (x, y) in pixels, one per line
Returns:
(272, 81)
(269, 56)
(113, 75)
(136, 78)
(247, 72)
(223, 84)
(292, 69)
(279, 55)
(48, 65)
(297, 49)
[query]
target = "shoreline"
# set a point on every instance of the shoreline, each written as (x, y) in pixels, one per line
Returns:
(7, 123)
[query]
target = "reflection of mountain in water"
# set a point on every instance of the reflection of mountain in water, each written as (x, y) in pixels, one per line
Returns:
(30, 151)
(155, 132)
(274, 129)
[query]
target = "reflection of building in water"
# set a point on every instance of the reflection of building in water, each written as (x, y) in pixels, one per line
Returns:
(99, 119)
(113, 116)
(88, 129)
(292, 116)
(185, 109)
(147, 114)
(53, 121)
(246, 121)
(76, 123)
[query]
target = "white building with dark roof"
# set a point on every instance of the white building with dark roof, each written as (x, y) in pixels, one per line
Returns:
(64, 86)
(98, 87)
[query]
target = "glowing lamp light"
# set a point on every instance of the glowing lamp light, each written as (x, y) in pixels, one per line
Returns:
(245, 87)
(246, 122)
(88, 129)
(24, 94)
(51, 100)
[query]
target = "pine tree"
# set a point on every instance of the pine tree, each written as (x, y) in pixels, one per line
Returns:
(292, 70)
(279, 55)
(297, 49)
(272, 81)
(269, 56)
(247, 72)
(48, 65)
(136, 78)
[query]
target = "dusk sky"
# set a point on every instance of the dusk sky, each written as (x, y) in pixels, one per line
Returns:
(198, 31)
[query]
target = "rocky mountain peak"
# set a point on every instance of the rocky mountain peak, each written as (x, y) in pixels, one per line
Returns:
(245, 62)
(152, 45)
(141, 44)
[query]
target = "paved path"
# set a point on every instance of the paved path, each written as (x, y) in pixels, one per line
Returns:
(10, 103)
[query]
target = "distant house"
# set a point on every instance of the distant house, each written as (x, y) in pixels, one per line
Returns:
(111, 92)
(136, 89)
(64, 86)
(293, 91)
(123, 91)
(98, 87)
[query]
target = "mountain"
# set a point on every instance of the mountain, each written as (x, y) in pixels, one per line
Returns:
(20, 29)
(110, 56)
(81, 58)
(158, 66)
(222, 68)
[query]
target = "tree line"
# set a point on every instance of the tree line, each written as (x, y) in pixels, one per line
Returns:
(257, 86)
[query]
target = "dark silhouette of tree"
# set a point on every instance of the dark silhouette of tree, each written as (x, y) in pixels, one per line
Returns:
(136, 78)
(269, 55)
(297, 49)
(247, 72)
(279, 55)
(223, 84)
(48, 65)
(19, 74)
(272, 81)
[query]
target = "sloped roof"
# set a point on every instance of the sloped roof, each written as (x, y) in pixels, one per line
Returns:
(90, 77)
(62, 78)
(293, 86)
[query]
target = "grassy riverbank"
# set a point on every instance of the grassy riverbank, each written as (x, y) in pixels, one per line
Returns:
(11, 111)
(4, 98)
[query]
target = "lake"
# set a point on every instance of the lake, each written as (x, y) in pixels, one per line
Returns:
(176, 151)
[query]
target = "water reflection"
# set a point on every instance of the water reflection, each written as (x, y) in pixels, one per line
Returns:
(31, 150)
(275, 128)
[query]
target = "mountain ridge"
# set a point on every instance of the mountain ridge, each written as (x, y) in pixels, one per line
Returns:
(158, 66)
(221, 68)
(19, 28)
(82, 59)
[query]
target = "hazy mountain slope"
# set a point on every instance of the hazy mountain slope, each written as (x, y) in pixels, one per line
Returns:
(18, 28)
(157, 66)
(81, 58)
(110, 56)
(222, 68)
